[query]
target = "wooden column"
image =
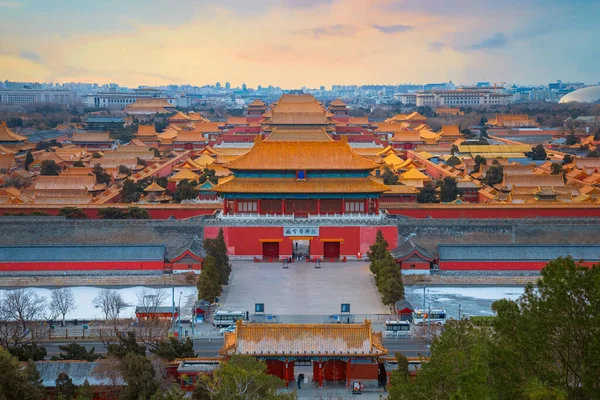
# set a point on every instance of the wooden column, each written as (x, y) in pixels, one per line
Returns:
(343, 206)
(258, 207)
(235, 206)
(318, 206)
(283, 206)
(225, 206)
(377, 205)
(366, 206)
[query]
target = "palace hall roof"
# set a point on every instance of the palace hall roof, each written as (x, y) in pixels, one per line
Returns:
(280, 134)
(6, 135)
(304, 340)
(146, 131)
(273, 155)
(311, 185)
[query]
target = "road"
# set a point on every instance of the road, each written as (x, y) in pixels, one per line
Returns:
(210, 348)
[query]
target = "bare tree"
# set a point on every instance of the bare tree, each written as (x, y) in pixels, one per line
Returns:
(110, 302)
(62, 302)
(149, 300)
(107, 370)
(23, 305)
(20, 312)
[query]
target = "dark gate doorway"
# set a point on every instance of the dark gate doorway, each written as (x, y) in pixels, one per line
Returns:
(331, 250)
(270, 250)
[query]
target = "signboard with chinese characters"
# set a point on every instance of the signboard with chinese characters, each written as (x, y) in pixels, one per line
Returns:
(301, 231)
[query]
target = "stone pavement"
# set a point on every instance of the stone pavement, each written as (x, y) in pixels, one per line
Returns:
(302, 289)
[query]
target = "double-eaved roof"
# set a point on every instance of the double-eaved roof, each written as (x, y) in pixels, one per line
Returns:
(291, 156)
(516, 252)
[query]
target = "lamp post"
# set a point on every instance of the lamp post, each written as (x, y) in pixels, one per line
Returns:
(179, 316)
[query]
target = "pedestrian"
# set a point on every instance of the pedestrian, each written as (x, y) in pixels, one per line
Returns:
(300, 379)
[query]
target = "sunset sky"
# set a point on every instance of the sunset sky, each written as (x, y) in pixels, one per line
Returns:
(293, 43)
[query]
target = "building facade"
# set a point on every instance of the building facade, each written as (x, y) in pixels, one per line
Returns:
(31, 96)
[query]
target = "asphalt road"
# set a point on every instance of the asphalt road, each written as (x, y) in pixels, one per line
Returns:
(210, 348)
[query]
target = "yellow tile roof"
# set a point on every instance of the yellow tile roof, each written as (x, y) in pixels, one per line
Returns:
(256, 103)
(300, 339)
(494, 148)
(145, 131)
(154, 187)
(450, 131)
(204, 160)
(393, 160)
(6, 135)
(427, 134)
(281, 134)
(333, 155)
(311, 185)
(179, 116)
(414, 174)
(415, 116)
(189, 136)
(184, 174)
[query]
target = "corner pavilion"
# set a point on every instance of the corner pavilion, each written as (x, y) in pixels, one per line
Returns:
(336, 352)
(317, 189)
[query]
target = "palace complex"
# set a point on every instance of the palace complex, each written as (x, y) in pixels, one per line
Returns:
(298, 177)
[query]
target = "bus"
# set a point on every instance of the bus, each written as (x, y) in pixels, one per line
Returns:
(437, 317)
(227, 318)
(397, 328)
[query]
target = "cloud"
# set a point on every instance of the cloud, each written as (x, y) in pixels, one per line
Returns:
(390, 29)
(31, 56)
(306, 3)
(11, 4)
(496, 41)
(325, 31)
(437, 46)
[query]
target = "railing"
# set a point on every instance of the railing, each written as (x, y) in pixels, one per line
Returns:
(380, 216)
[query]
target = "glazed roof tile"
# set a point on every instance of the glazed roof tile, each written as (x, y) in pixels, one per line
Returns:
(333, 155)
(299, 339)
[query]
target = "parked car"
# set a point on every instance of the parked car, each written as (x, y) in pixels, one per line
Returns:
(230, 328)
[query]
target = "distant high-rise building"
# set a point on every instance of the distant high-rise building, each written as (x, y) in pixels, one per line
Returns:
(218, 85)
(244, 87)
(227, 85)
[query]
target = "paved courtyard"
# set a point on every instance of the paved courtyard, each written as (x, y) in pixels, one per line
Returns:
(302, 289)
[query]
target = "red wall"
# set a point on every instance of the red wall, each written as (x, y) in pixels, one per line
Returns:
(81, 266)
(363, 371)
(496, 265)
(418, 265)
(242, 240)
(462, 212)
(92, 213)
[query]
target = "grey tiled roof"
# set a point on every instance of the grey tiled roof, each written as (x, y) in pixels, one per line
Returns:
(540, 252)
(78, 371)
(56, 253)
(406, 248)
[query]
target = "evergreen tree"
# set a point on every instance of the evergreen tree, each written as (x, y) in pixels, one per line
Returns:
(448, 190)
(209, 281)
(186, 190)
(85, 391)
(494, 175)
(479, 161)
(101, 175)
(137, 213)
(174, 348)
(567, 160)
(138, 374)
(74, 351)
(378, 249)
(18, 383)
(78, 164)
(427, 194)
(111, 213)
(64, 386)
(28, 352)
(217, 248)
(453, 161)
(127, 345)
(556, 168)
(72, 213)
(28, 159)
(49, 168)
(389, 177)
(539, 153)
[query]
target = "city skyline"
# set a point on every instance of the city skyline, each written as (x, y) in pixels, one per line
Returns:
(294, 43)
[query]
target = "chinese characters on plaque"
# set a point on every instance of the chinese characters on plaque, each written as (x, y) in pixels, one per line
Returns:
(301, 231)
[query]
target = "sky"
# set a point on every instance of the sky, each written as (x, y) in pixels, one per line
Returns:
(296, 43)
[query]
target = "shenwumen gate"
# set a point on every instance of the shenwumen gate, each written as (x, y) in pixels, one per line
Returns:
(337, 352)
